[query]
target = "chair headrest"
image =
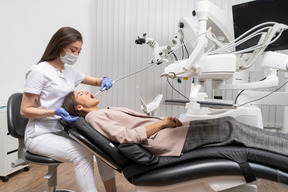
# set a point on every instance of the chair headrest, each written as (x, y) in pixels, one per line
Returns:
(16, 124)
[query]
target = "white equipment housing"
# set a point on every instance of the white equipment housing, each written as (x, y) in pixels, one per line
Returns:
(213, 25)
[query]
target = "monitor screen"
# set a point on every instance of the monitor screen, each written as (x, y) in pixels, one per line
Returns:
(250, 14)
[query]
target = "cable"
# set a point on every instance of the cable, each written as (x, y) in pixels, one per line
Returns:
(171, 52)
(132, 73)
(233, 43)
(182, 49)
(237, 41)
(175, 56)
(186, 50)
(212, 47)
(263, 96)
(177, 90)
(100, 91)
(259, 46)
(235, 101)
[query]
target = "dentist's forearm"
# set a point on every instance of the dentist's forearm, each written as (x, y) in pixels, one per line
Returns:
(35, 113)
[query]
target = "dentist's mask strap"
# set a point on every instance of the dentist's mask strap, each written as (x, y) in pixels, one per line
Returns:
(68, 58)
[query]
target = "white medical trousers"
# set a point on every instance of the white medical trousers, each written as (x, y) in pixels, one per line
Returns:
(64, 149)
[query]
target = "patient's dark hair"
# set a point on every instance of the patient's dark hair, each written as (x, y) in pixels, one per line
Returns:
(70, 105)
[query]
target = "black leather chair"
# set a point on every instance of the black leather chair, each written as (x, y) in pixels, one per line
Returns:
(16, 128)
(231, 168)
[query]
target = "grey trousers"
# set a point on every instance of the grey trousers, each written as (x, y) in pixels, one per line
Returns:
(227, 130)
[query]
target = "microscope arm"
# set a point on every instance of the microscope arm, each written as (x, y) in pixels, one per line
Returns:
(157, 50)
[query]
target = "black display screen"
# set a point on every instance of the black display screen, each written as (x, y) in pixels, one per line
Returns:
(250, 14)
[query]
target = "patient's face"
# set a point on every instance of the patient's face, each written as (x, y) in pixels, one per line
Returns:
(86, 99)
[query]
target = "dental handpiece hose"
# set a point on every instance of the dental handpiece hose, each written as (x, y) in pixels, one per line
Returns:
(123, 78)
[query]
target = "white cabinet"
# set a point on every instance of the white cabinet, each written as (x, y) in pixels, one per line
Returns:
(8, 148)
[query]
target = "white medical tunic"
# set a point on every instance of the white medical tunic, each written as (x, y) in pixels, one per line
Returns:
(51, 86)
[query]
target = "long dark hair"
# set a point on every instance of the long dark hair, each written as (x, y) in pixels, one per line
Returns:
(70, 105)
(63, 37)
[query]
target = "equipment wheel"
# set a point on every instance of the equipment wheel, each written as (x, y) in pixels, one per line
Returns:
(5, 179)
(27, 168)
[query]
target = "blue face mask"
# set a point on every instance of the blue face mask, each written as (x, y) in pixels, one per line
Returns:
(69, 58)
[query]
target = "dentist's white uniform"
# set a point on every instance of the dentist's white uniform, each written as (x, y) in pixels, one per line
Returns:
(45, 136)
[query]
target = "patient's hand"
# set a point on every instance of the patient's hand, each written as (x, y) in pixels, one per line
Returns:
(171, 122)
(178, 123)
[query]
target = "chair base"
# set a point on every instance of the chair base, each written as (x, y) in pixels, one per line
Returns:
(208, 184)
(60, 190)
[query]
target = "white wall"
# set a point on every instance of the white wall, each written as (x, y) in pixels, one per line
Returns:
(26, 28)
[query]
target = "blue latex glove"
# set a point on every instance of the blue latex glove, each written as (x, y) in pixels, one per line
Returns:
(65, 115)
(106, 82)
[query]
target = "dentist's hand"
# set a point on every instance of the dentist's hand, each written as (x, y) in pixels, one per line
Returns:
(65, 115)
(106, 82)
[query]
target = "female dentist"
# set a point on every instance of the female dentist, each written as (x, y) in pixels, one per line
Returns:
(46, 86)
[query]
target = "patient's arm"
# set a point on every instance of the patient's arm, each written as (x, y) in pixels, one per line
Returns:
(151, 129)
(166, 122)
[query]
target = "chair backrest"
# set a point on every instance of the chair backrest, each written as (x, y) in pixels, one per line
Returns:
(16, 124)
(122, 154)
(99, 140)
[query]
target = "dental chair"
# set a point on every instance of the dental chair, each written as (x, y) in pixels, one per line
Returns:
(16, 128)
(206, 169)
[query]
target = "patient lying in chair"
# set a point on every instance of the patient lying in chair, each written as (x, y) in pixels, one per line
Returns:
(169, 136)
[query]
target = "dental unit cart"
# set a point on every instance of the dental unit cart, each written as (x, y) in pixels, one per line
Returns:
(8, 149)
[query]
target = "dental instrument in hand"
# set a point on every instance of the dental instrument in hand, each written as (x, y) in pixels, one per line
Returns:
(123, 78)
(104, 88)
